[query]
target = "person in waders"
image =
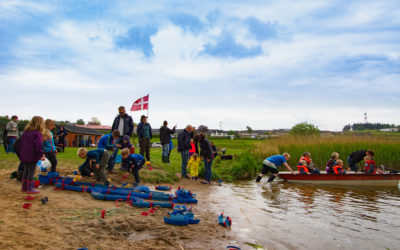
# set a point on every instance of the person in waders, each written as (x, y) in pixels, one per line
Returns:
(272, 163)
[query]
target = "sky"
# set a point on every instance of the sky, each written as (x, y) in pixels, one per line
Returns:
(263, 64)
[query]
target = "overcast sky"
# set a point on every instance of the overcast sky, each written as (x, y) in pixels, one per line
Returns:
(265, 64)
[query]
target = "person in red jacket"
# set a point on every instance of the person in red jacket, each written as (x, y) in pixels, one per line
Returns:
(310, 165)
(370, 166)
(302, 166)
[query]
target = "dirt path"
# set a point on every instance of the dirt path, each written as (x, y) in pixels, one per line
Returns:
(71, 220)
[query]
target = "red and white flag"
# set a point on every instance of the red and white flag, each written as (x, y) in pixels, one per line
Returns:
(141, 104)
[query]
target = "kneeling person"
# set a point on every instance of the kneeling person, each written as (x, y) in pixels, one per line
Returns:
(272, 163)
(134, 162)
(97, 160)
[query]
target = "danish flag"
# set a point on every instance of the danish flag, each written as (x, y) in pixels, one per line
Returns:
(141, 104)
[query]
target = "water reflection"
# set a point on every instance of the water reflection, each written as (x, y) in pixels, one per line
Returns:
(313, 216)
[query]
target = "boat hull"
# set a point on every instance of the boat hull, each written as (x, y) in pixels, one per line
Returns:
(360, 179)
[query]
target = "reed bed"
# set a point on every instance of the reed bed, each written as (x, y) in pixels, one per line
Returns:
(386, 148)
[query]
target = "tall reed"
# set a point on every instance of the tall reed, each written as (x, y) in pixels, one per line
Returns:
(387, 149)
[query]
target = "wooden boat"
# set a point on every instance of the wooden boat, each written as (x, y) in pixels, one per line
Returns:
(351, 179)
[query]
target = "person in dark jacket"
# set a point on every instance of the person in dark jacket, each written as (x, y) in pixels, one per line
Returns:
(31, 152)
(61, 133)
(165, 138)
(144, 136)
(331, 163)
(208, 155)
(134, 162)
(123, 123)
(183, 148)
(357, 157)
(5, 139)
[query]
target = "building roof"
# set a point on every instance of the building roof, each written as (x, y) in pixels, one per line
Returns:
(81, 130)
(97, 127)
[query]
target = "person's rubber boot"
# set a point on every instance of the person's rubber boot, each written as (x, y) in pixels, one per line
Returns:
(31, 188)
(24, 186)
(271, 178)
(258, 179)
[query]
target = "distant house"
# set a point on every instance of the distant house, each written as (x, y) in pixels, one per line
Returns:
(390, 130)
(219, 133)
(78, 136)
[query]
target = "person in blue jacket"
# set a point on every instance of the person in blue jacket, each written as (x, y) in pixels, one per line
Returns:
(96, 161)
(134, 162)
(110, 142)
(49, 148)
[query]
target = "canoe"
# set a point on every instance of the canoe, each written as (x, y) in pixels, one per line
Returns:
(352, 179)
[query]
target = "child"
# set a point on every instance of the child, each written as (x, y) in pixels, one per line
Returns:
(107, 141)
(370, 166)
(338, 167)
(193, 166)
(31, 152)
(302, 166)
(331, 163)
(96, 160)
(307, 157)
(126, 143)
(135, 162)
(49, 148)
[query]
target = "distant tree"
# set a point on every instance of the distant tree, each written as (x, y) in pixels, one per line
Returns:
(202, 129)
(249, 129)
(3, 121)
(367, 126)
(80, 122)
(231, 132)
(22, 124)
(94, 121)
(304, 129)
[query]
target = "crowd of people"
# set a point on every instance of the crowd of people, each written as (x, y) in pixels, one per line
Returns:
(333, 166)
(38, 142)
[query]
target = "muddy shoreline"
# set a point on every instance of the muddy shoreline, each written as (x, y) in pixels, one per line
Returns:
(71, 220)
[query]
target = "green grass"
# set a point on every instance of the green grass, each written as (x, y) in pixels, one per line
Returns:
(162, 172)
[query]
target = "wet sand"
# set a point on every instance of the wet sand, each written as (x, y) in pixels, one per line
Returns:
(71, 220)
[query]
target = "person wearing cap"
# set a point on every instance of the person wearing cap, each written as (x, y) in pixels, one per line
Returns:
(124, 124)
(144, 136)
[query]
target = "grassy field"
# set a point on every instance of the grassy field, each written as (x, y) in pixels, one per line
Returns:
(161, 173)
(248, 156)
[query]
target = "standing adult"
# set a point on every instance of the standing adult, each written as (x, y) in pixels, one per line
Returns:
(356, 157)
(144, 136)
(207, 154)
(124, 124)
(12, 133)
(165, 138)
(183, 148)
(61, 133)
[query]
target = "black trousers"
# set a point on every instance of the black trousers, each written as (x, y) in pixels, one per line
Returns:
(144, 145)
(29, 171)
(53, 160)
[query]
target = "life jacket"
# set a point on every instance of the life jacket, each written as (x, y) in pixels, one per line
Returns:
(370, 166)
(336, 169)
(300, 167)
(305, 159)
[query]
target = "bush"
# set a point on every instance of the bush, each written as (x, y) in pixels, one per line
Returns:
(304, 129)
(246, 168)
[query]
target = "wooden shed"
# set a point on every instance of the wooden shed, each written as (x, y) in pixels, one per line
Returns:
(79, 136)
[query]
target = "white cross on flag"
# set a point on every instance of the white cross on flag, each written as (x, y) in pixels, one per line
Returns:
(141, 104)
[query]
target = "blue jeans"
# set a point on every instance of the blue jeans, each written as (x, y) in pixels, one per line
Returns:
(185, 159)
(11, 142)
(207, 169)
(165, 150)
(353, 166)
(111, 162)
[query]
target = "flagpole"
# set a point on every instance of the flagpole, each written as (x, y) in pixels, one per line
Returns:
(148, 101)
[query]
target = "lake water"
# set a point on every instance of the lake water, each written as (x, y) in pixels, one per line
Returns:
(283, 215)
